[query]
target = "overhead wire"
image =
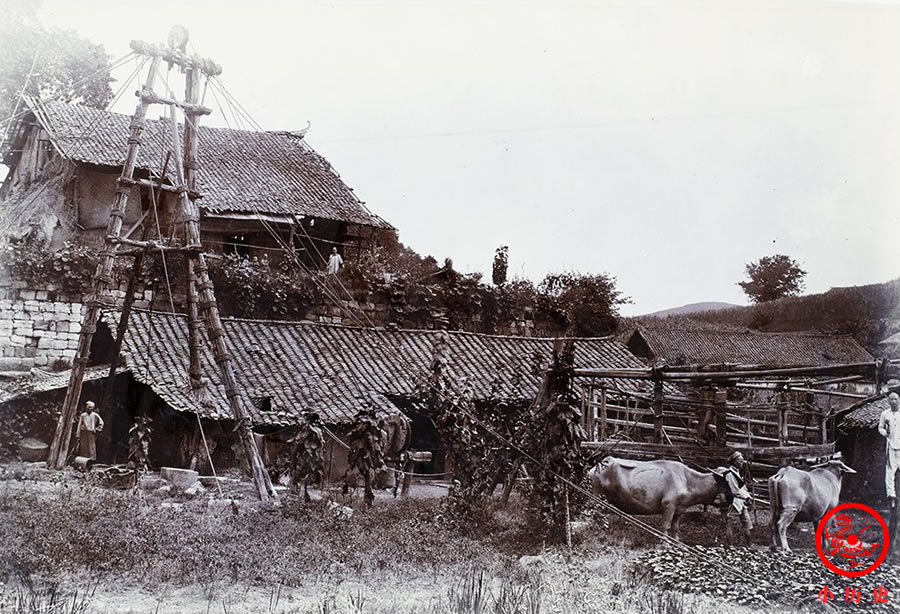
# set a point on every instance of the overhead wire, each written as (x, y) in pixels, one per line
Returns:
(116, 64)
(488, 429)
(503, 439)
(577, 487)
(21, 95)
(82, 138)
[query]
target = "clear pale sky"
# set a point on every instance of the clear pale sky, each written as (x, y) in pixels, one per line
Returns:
(667, 143)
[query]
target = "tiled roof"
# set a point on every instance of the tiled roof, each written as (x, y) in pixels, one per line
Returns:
(30, 385)
(751, 348)
(240, 170)
(329, 369)
(865, 416)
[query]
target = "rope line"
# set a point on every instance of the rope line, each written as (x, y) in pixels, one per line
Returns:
(121, 61)
(80, 142)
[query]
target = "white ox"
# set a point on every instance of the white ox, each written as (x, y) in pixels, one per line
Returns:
(653, 487)
(807, 496)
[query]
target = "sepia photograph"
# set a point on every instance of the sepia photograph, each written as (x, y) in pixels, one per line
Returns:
(433, 307)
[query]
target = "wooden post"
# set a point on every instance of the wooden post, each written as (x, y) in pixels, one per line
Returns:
(59, 448)
(781, 406)
(191, 145)
(658, 412)
(721, 401)
(823, 421)
(207, 299)
(587, 411)
(603, 425)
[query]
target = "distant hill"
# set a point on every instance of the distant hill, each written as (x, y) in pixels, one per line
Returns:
(870, 313)
(692, 308)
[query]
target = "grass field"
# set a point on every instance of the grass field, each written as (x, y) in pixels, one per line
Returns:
(70, 547)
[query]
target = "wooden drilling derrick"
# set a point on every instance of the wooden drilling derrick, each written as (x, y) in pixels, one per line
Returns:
(201, 298)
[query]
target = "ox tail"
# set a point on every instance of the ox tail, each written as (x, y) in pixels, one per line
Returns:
(775, 498)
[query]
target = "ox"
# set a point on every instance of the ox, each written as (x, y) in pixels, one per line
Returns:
(653, 487)
(795, 494)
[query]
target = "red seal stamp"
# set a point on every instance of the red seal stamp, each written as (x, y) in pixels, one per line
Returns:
(845, 541)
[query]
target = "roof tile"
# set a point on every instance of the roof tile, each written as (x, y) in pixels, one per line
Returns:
(241, 171)
(328, 369)
(753, 348)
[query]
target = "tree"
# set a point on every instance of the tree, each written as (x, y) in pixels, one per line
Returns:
(773, 277)
(585, 304)
(501, 265)
(47, 63)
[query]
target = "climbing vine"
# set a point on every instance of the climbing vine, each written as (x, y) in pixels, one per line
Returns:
(70, 268)
(366, 455)
(307, 453)
(139, 444)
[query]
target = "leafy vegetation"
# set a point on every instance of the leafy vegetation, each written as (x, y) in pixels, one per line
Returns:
(773, 277)
(584, 304)
(139, 444)
(366, 456)
(47, 62)
(82, 542)
(70, 268)
(307, 454)
(250, 288)
(501, 265)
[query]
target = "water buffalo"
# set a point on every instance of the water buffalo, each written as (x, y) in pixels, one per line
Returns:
(653, 487)
(795, 494)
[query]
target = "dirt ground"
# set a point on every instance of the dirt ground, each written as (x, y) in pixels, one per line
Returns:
(597, 575)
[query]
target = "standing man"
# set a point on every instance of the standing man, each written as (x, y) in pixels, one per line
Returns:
(737, 495)
(89, 424)
(889, 427)
(335, 262)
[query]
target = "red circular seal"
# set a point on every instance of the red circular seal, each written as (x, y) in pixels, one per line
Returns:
(852, 540)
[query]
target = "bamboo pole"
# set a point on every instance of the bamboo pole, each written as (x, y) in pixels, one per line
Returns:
(208, 306)
(191, 144)
(59, 448)
(120, 332)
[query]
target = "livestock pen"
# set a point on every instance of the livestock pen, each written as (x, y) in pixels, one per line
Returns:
(700, 414)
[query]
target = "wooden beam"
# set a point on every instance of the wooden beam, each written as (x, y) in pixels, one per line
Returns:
(173, 56)
(719, 453)
(603, 419)
(100, 295)
(835, 393)
(153, 185)
(187, 107)
(668, 374)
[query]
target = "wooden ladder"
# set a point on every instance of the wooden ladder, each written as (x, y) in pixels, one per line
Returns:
(201, 297)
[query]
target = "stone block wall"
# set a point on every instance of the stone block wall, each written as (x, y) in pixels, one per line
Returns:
(39, 326)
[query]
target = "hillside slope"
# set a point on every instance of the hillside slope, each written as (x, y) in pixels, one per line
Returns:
(691, 308)
(870, 313)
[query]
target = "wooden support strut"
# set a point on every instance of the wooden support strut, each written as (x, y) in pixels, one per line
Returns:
(199, 271)
(120, 332)
(59, 448)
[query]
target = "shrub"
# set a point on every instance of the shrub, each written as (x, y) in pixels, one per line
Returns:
(70, 268)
